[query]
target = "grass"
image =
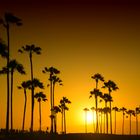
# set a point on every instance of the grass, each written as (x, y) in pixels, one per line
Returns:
(71, 136)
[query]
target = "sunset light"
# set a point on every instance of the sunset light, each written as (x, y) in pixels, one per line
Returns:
(69, 67)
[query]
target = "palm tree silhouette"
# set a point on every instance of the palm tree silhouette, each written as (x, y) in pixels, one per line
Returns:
(106, 98)
(93, 109)
(137, 111)
(96, 93)
(63, 108)
(3, 49)
(97, 77)
(12, 67)
(56, 109)
(116, 109)
(40, 96)
(130, 113)
(24, 85)
(111, 86)
(31, 49)
(123, 109)
(9, 19)
(52, 73)
(86, 110)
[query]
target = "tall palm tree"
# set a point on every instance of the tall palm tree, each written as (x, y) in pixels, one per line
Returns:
(56, 109)
(9, 19)
(12, 67)
(107, 98)
(24, 85)
(63, 108)
(116, 109)
(86, 110)
(93, 109)
(40, 96)
(31, 49)
(97, 77)
(52, 72)
(111, 86)
(137, 111)
(130, 113)
(96, 94)
(123, 109)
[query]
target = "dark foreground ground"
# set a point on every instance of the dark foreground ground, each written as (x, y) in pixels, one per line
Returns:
(74, 136)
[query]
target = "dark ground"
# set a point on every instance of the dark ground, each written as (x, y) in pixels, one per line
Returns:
(72, 136)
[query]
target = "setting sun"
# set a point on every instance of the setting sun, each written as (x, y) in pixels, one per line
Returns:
(89, 117)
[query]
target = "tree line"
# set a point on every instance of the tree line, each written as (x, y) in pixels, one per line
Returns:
(12, 66)
(105, 113)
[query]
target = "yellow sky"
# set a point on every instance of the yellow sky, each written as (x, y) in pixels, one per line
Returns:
(79, 40)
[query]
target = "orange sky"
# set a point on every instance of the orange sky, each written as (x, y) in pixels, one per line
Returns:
(80, 39)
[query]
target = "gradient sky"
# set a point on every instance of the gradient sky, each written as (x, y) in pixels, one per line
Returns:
(80, 39)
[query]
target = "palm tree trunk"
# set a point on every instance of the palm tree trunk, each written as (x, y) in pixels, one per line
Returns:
(11, 100)
(130, 124)
(96, 104)
(32, 92)
(93, 123)
(136, 124)
(40, 115)
(8, 60)
(64, 122)
(115, 124)
(110, 115)
(104, 122)
(55, 123)
(123, 124)
(85, 121)
(24, 109)
(106, 118)
(51, 103)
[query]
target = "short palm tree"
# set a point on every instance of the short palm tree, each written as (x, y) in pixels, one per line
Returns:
(130, 113)
(24, 85)
(86, 110)
(107, 98)
(96, 94)
(116, 109)
(9, 19)
(123, 109)
(31, 49)
(137, 111)
(111, 86)
(93, 110)
(56, 109)
(40, 96)
(63, 108)
(12, 67)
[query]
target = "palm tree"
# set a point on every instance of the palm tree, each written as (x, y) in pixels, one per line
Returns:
(93, 109)
(24, 85)
(31, 49)
(116, 109)
(56, 109)
(63, 108)
(9, 19)
(106, 98)
(111, 86)
(86, 110)
(96, 93)
(12, 67)
(130, 113)
(123, 109)
(97, 77)
(40, 96)
(137, 111)
(52, 73)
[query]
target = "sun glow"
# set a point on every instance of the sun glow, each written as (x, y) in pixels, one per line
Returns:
(89, 117)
